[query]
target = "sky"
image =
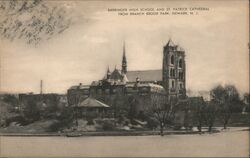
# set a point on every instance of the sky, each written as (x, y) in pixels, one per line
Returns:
(215, 41)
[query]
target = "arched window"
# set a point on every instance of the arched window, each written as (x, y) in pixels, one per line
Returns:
(180, 85)
(172, 59)
(172, 84)
(173, 73)
(180, 63)
(180, 75)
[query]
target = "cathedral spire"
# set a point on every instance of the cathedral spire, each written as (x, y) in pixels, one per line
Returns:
(108, 73)
(124, 60)
(170, 43)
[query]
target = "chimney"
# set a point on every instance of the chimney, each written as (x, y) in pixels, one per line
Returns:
(41, 87)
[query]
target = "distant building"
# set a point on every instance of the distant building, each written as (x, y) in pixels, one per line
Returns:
(45, 100)
(77, 93)
(123, 88)
(205, 94)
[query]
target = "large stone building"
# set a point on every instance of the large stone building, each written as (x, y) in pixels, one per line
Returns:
(138, 89)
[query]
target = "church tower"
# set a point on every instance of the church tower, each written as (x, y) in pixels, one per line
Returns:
(124, 60)
(174, 71)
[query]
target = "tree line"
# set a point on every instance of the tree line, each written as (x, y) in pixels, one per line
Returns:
(225, 101)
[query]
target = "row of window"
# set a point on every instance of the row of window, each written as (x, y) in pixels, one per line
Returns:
(172, 73)
(127, 90)
(173, 85)
(130, 89)
(180, 62)
(181, 75)
(106, 91)
(84, 92)
(143, 89)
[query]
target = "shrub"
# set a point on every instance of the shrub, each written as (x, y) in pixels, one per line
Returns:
(108, 126)
(19, 119)
(188, 122)
(126, 123)
(90, 121)
(32, 111)
(66, 114)
(152, 123)
(177, 126)
(63, 120)
(133, 122)
(121, 119)
(142, 116)
(10, 99)
(54, 127)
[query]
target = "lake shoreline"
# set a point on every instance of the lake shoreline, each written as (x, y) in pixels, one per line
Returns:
(123, 133)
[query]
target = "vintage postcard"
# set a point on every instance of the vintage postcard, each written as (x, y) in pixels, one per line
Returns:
(124, 78)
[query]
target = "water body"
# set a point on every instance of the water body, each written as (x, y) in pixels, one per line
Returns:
(225, 144)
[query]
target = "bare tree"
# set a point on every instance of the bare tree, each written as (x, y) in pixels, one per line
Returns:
(228, 101)
(198, 106)
(162, 111)
(246, 103)
(211, 110)
(77, 101)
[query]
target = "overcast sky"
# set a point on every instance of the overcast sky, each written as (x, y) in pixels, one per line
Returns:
(215, 41)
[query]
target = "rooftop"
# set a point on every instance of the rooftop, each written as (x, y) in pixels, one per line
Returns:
(92, 103)
(79, 87)
(170, 43)
(145, 75)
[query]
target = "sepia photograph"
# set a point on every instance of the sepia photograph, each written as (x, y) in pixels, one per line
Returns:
(124, 78)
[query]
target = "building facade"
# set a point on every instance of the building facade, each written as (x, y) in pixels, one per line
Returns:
(138, 89)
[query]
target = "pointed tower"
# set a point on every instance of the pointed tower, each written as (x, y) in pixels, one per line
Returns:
(124, 60)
